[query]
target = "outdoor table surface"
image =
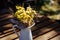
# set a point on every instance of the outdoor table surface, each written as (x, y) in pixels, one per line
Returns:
(42, 31)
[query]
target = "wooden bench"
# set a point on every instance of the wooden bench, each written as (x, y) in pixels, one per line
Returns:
(46, 29)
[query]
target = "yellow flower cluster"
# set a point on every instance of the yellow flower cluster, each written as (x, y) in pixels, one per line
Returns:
(25, 16)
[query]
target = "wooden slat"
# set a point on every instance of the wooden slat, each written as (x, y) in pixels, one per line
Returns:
(4, 23)
(2, 16)
(7, 34)
(56, 38)
(7, 17)
(10, 37)
(41, 25)
(45, 30)
(8, 25)
(49, 35)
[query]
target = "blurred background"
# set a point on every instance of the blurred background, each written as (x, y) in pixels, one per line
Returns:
(48, 27)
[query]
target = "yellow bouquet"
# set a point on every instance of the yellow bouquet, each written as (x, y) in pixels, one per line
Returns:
(25, 16)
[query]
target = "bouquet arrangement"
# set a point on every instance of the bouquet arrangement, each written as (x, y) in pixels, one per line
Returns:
(25, 16)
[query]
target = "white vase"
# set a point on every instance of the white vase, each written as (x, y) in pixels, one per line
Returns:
(26, 33)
